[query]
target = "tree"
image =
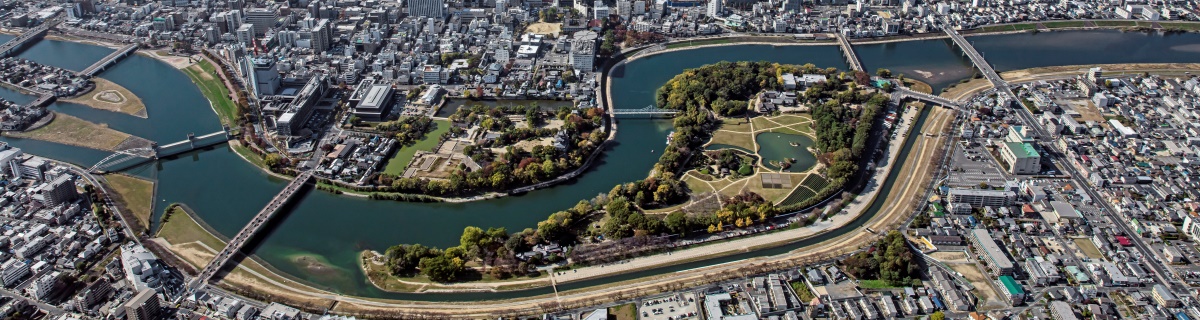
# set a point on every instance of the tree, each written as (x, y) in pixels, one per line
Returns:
(272, 160)
(441, 268)
(884, 73)
(471, 237)
(937, 316)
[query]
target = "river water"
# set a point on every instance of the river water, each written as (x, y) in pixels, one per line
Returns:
(330, 229)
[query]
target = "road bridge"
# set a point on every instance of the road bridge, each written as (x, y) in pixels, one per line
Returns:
(848, 51)
(650, 110)
(256, 224)
(109, 60)
(129, 158)
(901, 93)
(15, 45)
(1007, 97)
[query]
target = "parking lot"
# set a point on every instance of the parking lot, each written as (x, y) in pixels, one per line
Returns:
(670, 307)
(971, 166)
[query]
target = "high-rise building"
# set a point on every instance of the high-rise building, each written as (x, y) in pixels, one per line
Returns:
(583, 51)
(245, 34)
(143, 306)
(715, 7)
(263, 19)
(58, 191)
(427, 8)
(266, 76)
(233, 20)
(322, 36)
(791, 5)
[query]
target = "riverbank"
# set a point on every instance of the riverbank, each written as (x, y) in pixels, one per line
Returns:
(109, 96)
(196, 245)
(204, 74)
(69, 130)
(133, 194)
(971, 87)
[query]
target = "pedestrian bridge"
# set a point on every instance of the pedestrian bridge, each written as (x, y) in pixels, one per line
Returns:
(650, 110)
(256, 224)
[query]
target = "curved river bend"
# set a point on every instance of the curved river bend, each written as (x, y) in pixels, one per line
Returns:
(225, 191)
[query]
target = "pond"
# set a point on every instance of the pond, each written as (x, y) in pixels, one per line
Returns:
(775, 148)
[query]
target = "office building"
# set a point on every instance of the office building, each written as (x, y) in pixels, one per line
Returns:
(263, 19)
(322, 35)
(143, 306)
(266, 76)
(1021, 158)
(376, 103)
(427, 8)
(715, 7)
(982, 198)
(583, 51)
(245, 35)
(290, 122)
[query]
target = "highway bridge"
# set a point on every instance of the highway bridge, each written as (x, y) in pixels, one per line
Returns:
(129, 158)
(848, 50)
(256, 224)
(14, 46)
(109, 60)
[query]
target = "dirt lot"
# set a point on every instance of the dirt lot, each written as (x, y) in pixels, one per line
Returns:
(544, 28)
(988, 297)
(950, 256)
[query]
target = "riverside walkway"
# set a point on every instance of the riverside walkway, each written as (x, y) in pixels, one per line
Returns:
(256, 224)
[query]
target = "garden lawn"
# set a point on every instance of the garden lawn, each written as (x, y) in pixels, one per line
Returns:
(404, 156)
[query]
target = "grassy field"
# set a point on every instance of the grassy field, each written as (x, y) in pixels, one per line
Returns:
(254, 158)
(1180, 26)
(69, 130)
(874, 284)
(1089, 249)
(1064, 24)
(1115, 23)
(742, 140)
(135, 194)
(623, 312)
(180, 229)
(204, 74)
(918, 86)
(695, 185)
(802, 291)
(698, 43)
(404, 156)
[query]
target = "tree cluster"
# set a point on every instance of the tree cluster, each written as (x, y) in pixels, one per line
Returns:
(890, 260)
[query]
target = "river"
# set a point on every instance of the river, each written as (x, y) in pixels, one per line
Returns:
(225, 191)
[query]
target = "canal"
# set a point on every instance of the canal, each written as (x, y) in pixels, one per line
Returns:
(330, 229)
